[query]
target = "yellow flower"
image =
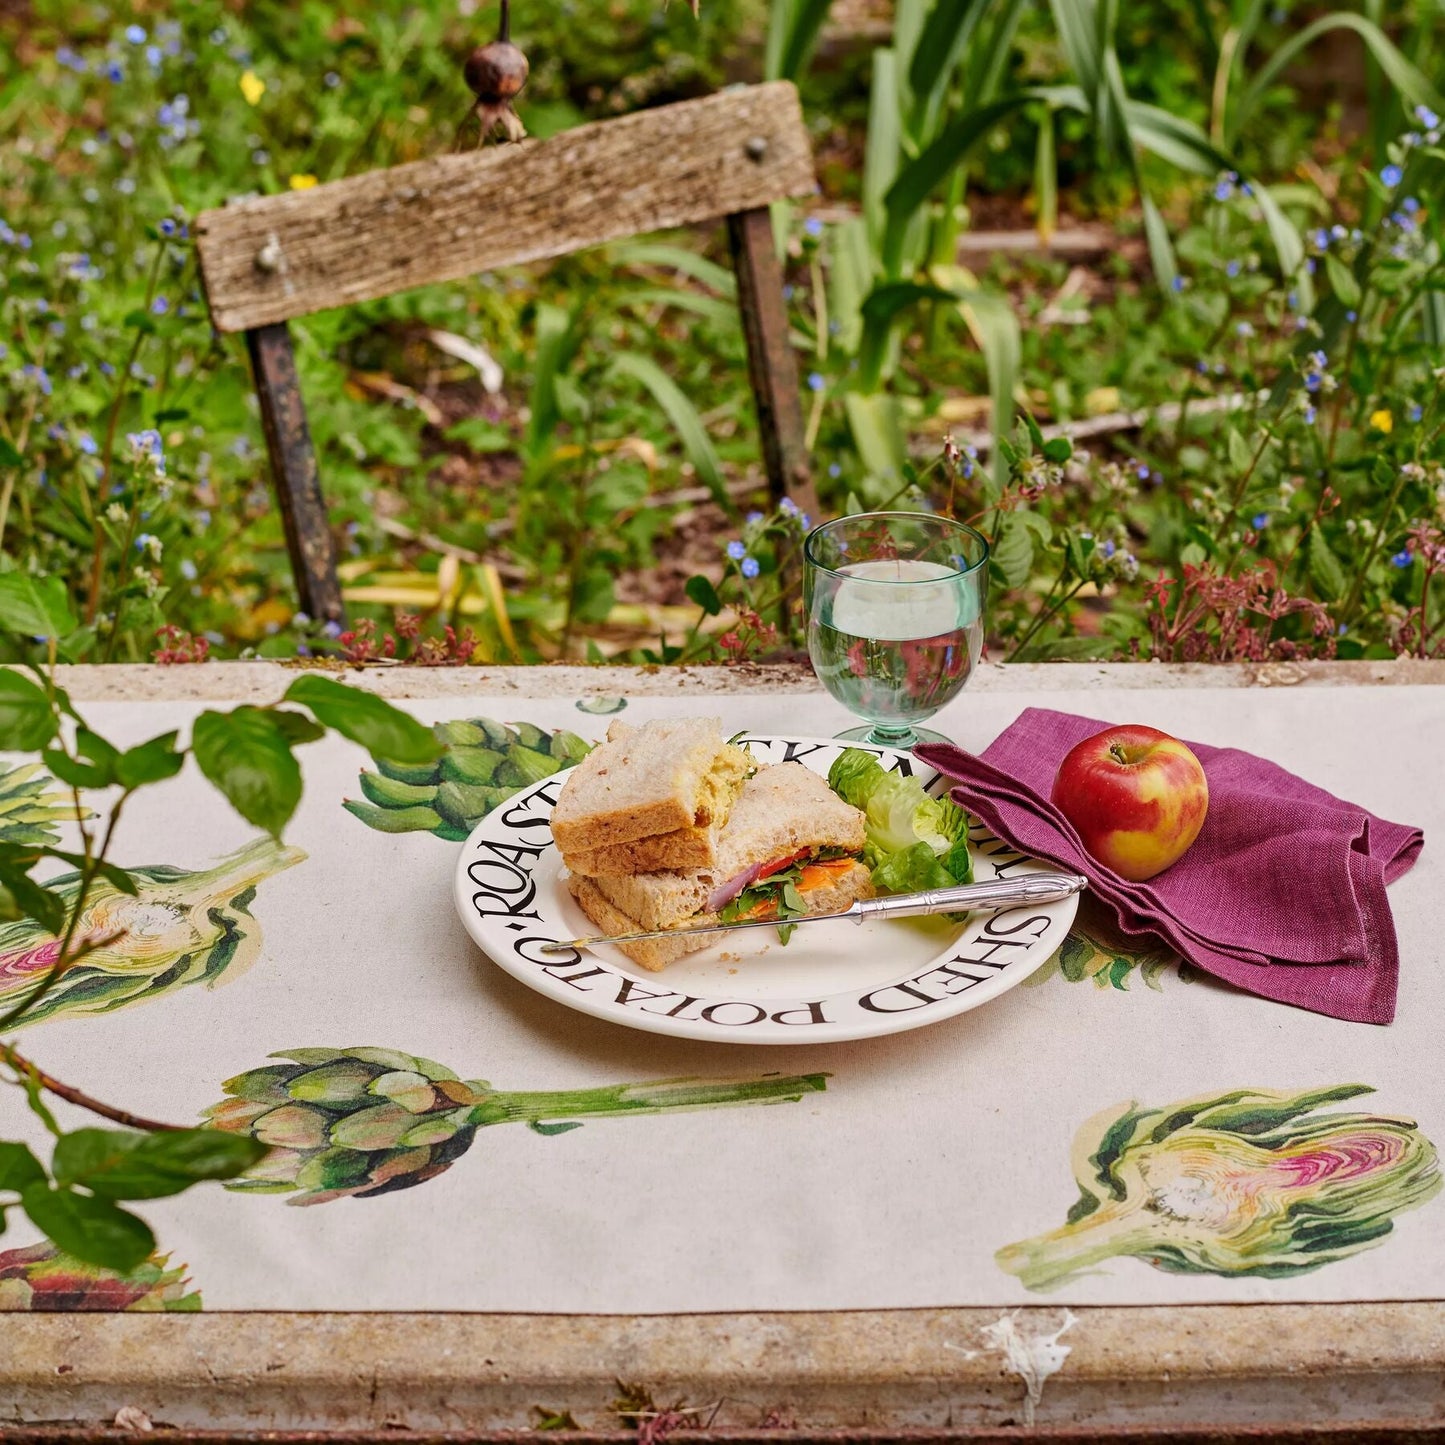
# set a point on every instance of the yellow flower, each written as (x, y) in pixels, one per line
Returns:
(252, 87)
(1382, 421)
(302, 182)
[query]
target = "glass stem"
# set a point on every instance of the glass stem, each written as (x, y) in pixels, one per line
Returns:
(896, 737)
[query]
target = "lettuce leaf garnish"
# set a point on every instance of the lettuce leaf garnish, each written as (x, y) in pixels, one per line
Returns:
(913, 841)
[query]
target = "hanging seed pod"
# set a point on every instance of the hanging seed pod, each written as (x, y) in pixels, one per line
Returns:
(495, 73)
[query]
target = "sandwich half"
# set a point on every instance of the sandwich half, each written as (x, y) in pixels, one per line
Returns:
(650, 797)
(790, 847)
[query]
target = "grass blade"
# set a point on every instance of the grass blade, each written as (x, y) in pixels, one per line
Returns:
(677, 258)
(942, 44)
(685, 420)
(1046, 179)
(916, 181)
(1403, 76)
(885, 143)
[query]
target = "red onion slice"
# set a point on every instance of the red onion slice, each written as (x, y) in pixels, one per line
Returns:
(724, 893)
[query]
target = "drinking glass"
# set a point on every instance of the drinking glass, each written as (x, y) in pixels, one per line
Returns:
(895, 617)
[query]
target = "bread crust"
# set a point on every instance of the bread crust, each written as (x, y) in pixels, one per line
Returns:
(666, 776)
(686, 848)
(655, 954)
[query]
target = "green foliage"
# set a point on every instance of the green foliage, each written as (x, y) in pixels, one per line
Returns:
(48, 929)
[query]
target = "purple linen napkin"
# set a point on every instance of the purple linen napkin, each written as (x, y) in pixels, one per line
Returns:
(1282, 894)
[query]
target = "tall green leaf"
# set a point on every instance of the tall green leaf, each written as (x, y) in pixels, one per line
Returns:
(557, 342)
(1403, 76)
(1183, 144)
(883, 149)
(916, 181)
(685, 420)
(793, 30)
(876, 423)
(1046, 178)
(677, 258)
(1161, 247)
(850, 281)
(987, 61)
(995, 328)
(940, 50)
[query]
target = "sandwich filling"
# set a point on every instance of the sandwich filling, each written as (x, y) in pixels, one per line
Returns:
(780, 889)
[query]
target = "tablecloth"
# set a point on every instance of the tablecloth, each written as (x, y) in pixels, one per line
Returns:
(1112, 1132)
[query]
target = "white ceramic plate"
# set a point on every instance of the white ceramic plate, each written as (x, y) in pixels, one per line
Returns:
(832, 981)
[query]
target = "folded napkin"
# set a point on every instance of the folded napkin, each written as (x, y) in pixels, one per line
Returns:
(1282, 894)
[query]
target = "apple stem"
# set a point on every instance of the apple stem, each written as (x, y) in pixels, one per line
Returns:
(1116, 751)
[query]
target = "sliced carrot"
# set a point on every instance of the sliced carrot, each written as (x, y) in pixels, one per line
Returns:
(822, 875)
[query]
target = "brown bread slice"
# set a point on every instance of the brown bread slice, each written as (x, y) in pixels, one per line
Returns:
(654, 954)
(686, 848)
(780, 809)
(664, 776)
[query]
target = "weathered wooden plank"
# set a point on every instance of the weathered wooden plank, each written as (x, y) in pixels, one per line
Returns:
(771, 365)
(275, 257)
(293, 469)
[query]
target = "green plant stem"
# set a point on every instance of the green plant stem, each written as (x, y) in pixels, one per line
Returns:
(577, 538)
(107, 454)
(655, 1097)
(19, 441)
(82, 1100)
(1044, 616)
(1352, 596)
(1243, 485)
(88, 874)
(1053, 1259)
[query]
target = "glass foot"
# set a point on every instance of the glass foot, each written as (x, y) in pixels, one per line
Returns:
(886, 737)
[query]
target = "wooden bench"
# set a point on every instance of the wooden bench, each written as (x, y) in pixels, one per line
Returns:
(267, 260)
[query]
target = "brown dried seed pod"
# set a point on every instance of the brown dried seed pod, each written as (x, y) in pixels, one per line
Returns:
(496, 71)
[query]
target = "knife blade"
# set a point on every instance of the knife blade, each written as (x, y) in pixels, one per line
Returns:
(964, 897)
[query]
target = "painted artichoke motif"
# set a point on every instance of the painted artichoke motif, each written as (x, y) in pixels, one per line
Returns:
(32, 806)
(1251, 1182)
(366, 1121)
(182, 927)
(485, 761)
(41, 1277)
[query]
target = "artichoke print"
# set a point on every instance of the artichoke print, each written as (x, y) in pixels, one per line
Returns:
(42, 1278)
(485, 761)
(181, 927)
(1089, 955)
(32, 805)
(365, 1121)
(1252, 1182)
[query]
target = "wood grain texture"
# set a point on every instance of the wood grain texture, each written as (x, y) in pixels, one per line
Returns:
(293, 470)
(772, 368)
(277, 257)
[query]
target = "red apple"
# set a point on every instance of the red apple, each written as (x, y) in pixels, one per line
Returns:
(1136, 796)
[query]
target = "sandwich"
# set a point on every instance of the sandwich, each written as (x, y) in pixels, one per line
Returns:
(790, 848)
(651, 797)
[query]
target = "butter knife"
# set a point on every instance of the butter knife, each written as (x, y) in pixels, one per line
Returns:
(965, 897)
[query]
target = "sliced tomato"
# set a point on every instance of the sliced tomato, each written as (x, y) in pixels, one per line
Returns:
(768, 869)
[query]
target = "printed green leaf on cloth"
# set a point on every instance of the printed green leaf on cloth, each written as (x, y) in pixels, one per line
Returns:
(484, 762)
(1252, 1182)
(32, 806)
(368, 1121)
(180, 927)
